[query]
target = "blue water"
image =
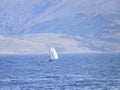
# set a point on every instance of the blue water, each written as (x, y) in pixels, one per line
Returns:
(95, 71)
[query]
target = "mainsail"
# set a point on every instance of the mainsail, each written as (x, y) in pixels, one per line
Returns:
(54, 54)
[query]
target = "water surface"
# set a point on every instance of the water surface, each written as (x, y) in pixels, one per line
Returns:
(95, 71)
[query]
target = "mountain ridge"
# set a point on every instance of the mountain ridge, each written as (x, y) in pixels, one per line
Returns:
(97, 22)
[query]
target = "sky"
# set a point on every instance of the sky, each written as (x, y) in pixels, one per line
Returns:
(72, 26)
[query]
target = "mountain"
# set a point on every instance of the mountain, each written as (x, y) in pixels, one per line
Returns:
(92, 24)
(39, 43)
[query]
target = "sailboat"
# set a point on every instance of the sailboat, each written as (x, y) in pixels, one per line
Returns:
(53, 54)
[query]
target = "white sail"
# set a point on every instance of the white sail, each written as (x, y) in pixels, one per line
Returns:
(54, 54)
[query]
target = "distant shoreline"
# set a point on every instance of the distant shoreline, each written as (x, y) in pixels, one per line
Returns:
(58, 53)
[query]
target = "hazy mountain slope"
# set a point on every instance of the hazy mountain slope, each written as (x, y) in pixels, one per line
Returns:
(39, 43)
(97, 22)
(85, 15)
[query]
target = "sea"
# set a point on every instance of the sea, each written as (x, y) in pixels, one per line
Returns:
(83, 71)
